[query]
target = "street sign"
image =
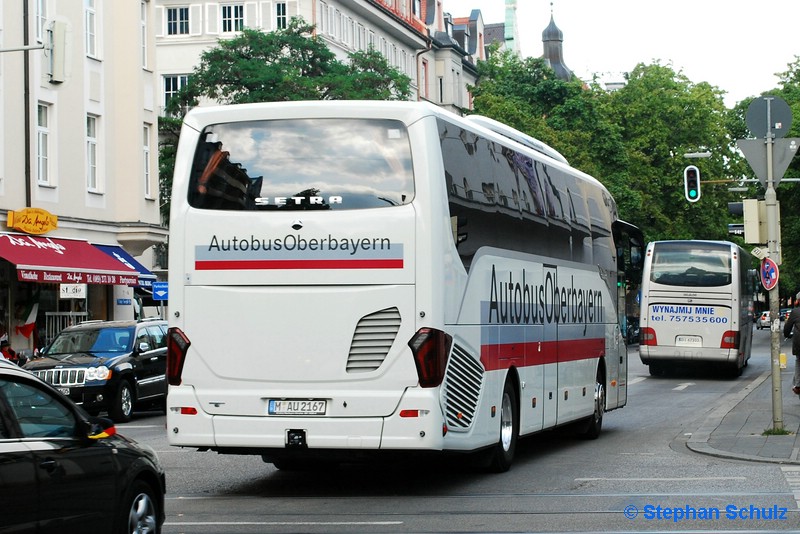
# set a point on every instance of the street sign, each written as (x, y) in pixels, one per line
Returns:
(774, 107)
(160, 291)
(783, 151)
(769, 274)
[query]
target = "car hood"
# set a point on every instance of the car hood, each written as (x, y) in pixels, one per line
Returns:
(76, 359)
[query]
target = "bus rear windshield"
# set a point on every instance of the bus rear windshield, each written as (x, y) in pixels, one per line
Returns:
(691, 265)
(302, 164)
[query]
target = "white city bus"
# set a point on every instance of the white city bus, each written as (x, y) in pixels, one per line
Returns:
(696, 305)
(353, 278)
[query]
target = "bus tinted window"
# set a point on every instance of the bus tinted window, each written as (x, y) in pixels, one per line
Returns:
(302, 164)
(691, 264)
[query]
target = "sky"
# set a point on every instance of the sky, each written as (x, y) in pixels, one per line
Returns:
(736, 46)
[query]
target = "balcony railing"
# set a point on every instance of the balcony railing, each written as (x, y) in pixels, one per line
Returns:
(413, 21)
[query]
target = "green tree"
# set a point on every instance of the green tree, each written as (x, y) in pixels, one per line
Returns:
(662, 116)
(285, 65)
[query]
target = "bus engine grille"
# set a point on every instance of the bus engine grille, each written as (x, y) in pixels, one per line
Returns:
(463, 383)
(372, 340)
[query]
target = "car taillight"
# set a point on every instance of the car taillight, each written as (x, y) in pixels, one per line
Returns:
(431, 348)
(730, 340)
(647, 336)
(177, 346)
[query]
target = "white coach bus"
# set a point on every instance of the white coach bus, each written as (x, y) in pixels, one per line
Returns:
(357, 278)
(696, 305)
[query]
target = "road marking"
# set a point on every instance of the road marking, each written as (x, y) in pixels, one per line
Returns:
(636, 380)
(792, 476)
(281, 523)
(667, 479)
(681, 387)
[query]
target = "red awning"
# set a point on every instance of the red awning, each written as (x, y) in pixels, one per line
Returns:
(65, 261)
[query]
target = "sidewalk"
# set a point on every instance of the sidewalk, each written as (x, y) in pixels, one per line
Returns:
(735, 428)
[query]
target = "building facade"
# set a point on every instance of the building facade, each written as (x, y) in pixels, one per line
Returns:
(415, 36)
(78, 160)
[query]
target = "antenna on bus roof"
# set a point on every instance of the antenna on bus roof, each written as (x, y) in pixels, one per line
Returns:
(519, 137)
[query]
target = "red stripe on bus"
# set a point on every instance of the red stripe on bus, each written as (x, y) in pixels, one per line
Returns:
(504, 355)
(234, 265)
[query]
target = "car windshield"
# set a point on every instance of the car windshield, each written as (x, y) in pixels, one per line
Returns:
(92, 341)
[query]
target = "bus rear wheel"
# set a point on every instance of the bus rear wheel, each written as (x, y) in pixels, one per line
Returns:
(503, 452)
(594, 423)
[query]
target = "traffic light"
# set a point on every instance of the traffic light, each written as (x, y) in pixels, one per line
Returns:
(691, 183)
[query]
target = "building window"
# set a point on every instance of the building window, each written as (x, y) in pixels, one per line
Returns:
(361, 37)
(43, 144)
(91, 153)
(91, 28)
(178, 21)
(146, 160)
(143, 32)
(41, 19)
(416, 6)
(172, 85)
(424, 79)
(323, 17)
(232, 18)
(281, 21)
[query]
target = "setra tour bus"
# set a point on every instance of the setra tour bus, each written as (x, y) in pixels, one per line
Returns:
(350, 279)
(696, 305)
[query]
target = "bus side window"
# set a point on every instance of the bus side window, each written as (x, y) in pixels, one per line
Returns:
(457, 222)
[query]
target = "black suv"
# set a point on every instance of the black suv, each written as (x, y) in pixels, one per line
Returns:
(107, 365)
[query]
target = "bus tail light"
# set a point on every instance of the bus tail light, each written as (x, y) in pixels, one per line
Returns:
(730, 340)
(647, 336)
(431, 348)
(177, 347)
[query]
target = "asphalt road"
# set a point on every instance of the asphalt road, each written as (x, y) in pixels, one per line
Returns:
(638, 476)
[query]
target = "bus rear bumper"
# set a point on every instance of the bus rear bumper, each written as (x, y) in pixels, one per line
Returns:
(417, 424)
(663, 354)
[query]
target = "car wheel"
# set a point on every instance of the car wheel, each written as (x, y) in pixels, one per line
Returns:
(121, 407)
(139, 511)
(503, 451)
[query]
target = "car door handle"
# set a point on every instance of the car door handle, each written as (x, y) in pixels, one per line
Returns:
(49, 465)
(154, 358)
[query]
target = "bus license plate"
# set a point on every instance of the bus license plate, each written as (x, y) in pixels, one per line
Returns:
(689, 341)
(297, 407)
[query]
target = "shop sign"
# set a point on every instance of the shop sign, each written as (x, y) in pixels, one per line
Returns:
(59, 277)
(72, 291)
(32, 221)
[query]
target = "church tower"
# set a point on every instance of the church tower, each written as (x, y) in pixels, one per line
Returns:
(511, 36)
(552, 39)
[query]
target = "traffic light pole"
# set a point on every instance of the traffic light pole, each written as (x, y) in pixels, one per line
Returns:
(771, 202)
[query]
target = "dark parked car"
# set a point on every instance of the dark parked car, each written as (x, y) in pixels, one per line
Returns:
(65, 471)
(107, 365)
